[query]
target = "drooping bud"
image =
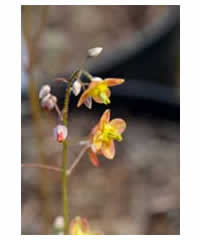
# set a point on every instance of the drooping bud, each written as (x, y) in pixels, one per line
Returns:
(60, 133)
(97, 79)
(94, 52)
(49, 102)
(88, 102)
(44, 91)
(76, 88)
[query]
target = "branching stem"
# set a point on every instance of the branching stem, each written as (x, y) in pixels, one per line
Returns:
(77, 160)
(43, 166)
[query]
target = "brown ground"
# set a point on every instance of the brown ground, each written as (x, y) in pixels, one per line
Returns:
(136, 193)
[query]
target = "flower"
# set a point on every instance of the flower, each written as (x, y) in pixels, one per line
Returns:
(60, 133)
(48, 102)
(44, 91)
(99, 90)
(103, 135)
(80, 226)
(94, 52)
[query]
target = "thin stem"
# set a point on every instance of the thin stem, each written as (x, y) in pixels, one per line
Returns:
(61, 80)
(58, 112)
(77, 160)
(37, 165)
(75, 76)
(88, 75)
(83, 62)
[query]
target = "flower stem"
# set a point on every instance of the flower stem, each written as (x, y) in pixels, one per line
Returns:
(43, 166)
(77, 160)
(75, 75)
(88, 75)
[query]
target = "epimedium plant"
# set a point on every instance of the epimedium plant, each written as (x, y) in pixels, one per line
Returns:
(100, 140)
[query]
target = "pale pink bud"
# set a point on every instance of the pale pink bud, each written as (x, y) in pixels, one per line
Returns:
(44, 91)
(76, 88)
(94, 52)
(60, 133)
(88, 102)
(97, 79)
(49, 102)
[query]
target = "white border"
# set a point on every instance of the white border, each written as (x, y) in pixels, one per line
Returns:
(10, 220)
(101, 2)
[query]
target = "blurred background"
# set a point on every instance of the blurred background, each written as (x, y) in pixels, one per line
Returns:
(138, 192)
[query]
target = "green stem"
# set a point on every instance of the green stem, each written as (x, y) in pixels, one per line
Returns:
(88, 75)
(75, 75)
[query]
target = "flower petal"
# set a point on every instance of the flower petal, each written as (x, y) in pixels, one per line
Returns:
(118, 124)
(108, 150)
(94, 129)
(88, 102)
(86, 93)
(113, 81)
(96, 142)
(83, 98)
(105, 118)
(93, 158)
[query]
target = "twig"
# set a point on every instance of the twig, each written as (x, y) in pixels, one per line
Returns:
(59, 112)
(37, 165)
(61, 80)
(77, 160)
(88, 75)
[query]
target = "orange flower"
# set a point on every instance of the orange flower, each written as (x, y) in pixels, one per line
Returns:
(80, 226)
(99, 91)
(103, 135)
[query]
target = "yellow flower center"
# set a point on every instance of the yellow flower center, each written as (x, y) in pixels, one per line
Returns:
(79, 231)
(110, 133)
(101, 91)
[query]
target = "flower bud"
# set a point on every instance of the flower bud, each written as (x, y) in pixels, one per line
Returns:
(97, 79)
(94, 52)
(59, 222)
(60, 133)
(44, 91)
(76, 88)
(49, 102)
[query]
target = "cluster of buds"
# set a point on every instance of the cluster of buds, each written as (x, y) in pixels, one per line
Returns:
(48, 101)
